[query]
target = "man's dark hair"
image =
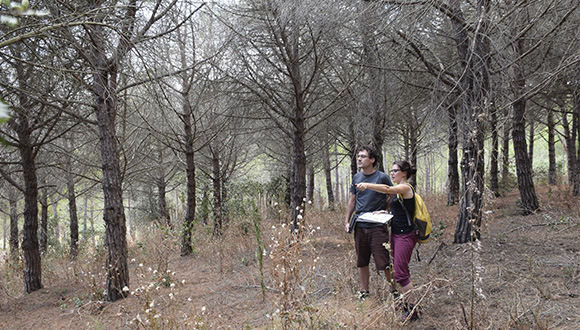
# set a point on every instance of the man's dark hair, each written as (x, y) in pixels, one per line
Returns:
(370, 150)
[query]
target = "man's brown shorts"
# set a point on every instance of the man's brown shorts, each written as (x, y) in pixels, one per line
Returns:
(369, 241)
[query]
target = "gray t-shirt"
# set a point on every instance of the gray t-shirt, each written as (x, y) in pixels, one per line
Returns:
(369, 200)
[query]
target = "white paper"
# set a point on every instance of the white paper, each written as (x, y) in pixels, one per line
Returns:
(375, 217)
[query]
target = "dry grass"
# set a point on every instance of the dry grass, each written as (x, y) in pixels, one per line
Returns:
(523, 274)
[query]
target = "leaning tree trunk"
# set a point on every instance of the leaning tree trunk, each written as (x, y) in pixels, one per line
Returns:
(523, 165)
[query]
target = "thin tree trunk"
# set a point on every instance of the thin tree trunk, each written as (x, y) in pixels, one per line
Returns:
(328, 176)
(164, 216)
(310, 182)
(43, 220)
(505, 151)
(570, 145)
(494, 165)
(13, 202)
(74, 221)
(531, 135)
(217, 192)
(551, 147)
(414, 146)
(576, 134)
(452, 160)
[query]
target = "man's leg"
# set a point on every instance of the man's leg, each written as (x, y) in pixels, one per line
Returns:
(364, 275)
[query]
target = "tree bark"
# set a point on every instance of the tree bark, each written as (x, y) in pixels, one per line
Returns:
(570, 145)
(13, 202)
(310, 183)
(104, 87)
(576, 133)
(531, 135)
(72, 206)
(452, 160)
(328, 176)
(43, 220)
(551, 147)
(186, 239)
(164, 217)
(494, 165)
(505, 151)
(474, 84)
(30, 244)
(217, 192)
(523, 164)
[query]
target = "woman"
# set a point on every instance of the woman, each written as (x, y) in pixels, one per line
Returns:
(403, 237)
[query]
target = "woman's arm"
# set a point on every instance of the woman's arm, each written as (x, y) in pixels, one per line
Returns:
(403, 189)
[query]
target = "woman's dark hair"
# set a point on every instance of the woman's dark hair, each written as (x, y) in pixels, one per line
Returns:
(406, 167)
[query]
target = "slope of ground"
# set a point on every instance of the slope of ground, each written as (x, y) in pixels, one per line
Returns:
(523, 274)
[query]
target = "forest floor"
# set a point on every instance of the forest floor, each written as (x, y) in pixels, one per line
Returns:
(523, 274)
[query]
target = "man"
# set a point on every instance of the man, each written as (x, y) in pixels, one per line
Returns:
(368, 237)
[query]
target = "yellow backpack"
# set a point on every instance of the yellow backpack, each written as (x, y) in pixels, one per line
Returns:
(421, 220)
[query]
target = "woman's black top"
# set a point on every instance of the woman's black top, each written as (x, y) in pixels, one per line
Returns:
(399, 223)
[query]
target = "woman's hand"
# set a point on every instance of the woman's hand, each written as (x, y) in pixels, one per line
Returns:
(362, 186)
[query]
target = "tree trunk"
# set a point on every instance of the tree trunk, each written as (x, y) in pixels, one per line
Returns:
(523, 165)
(13, 202)
(217, 192)
(452, 161)
(310, 184)
(474, 84)
(570, 145)
(328, 176)
(43, 220)
(531, 139)
(30, 244)
(576, 133)
(74, 221)
(298, 178)
(105, 89)
(494, 165)
(413, 147)
(551, 147)
(505, 151)
(72, 206)
(164, 217)
(186, 243)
